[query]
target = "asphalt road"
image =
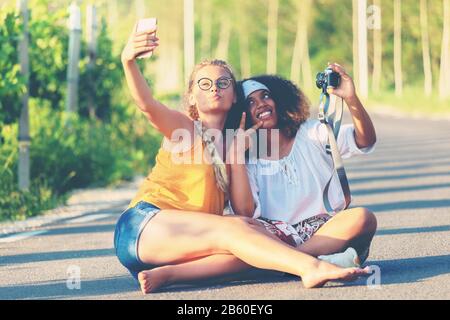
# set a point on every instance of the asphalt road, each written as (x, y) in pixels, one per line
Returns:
(406, 182)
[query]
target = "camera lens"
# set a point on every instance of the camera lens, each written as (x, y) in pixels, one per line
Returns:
(320, 77)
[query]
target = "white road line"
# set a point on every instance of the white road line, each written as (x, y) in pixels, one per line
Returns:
(89, 218)
(21, 236)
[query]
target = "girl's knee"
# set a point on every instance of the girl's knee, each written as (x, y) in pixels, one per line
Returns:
(366, 219)
(242, 224)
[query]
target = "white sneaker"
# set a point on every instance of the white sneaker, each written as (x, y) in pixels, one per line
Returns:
(347, 259)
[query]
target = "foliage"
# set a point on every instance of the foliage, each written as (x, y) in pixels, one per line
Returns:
(67, 151)
(11, 82)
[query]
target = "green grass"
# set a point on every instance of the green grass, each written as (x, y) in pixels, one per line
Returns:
(413, 101)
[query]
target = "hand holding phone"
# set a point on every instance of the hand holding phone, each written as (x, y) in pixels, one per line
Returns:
(146, 25)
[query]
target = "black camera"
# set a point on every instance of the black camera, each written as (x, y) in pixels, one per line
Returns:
(327, 79)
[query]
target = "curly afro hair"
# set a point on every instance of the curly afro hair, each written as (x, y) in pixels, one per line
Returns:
(292, 105)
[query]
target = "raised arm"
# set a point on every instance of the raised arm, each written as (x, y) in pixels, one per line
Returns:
(240, 191)
(365, 135)
(161, 117)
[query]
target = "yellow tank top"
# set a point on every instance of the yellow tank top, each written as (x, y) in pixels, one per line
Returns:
(185, 186)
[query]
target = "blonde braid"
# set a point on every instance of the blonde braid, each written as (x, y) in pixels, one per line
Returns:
(220, 171)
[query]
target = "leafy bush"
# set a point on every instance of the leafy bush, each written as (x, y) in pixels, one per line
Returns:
(102, 80)
(67, 151)
(11, 82)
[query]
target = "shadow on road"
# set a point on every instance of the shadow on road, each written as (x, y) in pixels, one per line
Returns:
(392, 272)
(413, 230)
(412, 269)
(409, 205)
(82, 229)
(389, 190)
(59, 289)
(397, 177)
(51, 256)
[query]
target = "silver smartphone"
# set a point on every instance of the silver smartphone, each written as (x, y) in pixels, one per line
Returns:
(145, 25)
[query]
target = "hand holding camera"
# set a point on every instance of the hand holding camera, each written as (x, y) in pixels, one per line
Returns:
(335, 80)
(142, 41)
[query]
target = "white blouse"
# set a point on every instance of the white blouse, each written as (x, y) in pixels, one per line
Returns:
(290, 189)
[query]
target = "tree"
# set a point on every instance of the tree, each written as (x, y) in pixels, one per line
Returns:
(398, 48)
(224, 40)
(189, 38)
(272, 37)
(300, 57)
(140, 9)
(362, 49)
(375, 24)
(243, 35)
(360, 63)
(355, 43)
(444, 77)
(169, 58)
(206, 27)
(428, 82)
(24, 127)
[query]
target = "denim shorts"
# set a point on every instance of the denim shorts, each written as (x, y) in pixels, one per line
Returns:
(126, 236)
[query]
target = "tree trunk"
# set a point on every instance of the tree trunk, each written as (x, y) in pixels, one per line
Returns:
(113, 13)
(428, 84)
(224, 39)
(243, 36)
(170, 55)
(189, 38)
(398, 48)
(24, 130)
(444, 77)
(300, 57)
(91, 39)
(205, 42)
(363, 65)
(355, 43)
(74, 57)
(377, 47)
(140, 9)
(272, 37)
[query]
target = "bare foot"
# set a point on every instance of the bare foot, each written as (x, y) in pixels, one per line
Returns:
(152, 280)
(325, 272)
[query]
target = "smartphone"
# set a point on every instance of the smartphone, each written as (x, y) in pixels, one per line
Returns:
(145, 25)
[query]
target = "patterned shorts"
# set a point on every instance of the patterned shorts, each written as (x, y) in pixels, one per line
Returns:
(297, 234)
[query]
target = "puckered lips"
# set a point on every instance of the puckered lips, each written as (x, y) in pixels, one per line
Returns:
(216, 97)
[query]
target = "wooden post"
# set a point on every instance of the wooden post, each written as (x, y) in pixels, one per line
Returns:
(74, 57)
(272, 37)
(91, 38)
(24, 129)
(189, 38)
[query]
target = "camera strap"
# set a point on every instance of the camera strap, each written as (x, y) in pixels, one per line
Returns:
(332, 121)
